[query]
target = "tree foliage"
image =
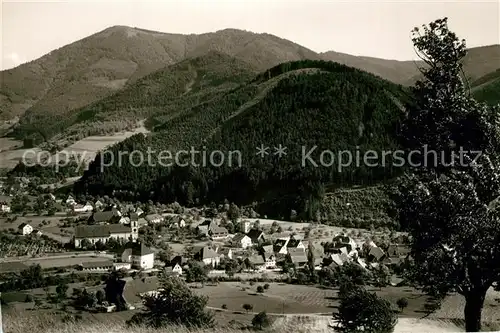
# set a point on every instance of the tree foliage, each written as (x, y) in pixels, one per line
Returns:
(448, 200)
(362, 311)
(175, 304)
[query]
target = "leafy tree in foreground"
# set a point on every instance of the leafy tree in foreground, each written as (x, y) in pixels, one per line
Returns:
(175, 304)
(448, 201)
(360, 310)
(261, 321)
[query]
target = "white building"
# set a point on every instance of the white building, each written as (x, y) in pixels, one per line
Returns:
(208, 256)
(5, 208)
(140, 256)
(242, 240)
(83, 208)
(25, 229)
(177, 269)
(70, 201)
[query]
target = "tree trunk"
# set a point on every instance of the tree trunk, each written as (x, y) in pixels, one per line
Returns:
(473, 307)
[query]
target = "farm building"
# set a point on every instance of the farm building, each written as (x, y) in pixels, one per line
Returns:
(97, 265)
(140, 256)
(96, 233)
(25, 229)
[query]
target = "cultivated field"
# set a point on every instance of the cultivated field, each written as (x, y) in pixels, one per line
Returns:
(297, 299)
(88, 147)
(11, 152)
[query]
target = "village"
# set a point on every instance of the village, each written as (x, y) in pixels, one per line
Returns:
(205, 245)
(61, 252)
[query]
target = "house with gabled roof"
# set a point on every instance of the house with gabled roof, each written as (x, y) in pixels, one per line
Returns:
(269, 260)
(294, 243)
(138, 255)
(25, 229)
(208, 256)
(376, 254)
(256, 235)
(298, 256)
(257, 262)
(216, 232)
(98, 204)
(279, 246)
(78, 208)
(129, 291)
(242, 241)
(226, 252)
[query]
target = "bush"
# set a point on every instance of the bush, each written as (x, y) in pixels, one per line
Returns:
(266, 286)
(402, 303)
(261, 321)
(224, 306)
(260, 289)
(247, 307)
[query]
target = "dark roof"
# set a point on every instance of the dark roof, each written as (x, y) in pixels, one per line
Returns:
(278, 244)
(134, 288)
(255, 234)
(138, 249)
(238, 237)
(100, 231)
(105, 216)
(134, 217)
(22, 225)
(341, 239)
(179, 260)
(296, 252)
(376, 252)
(215, 229)
(256, 260)
(205, 253)
(97, 264)
(92, 231)
(118, 228)
(398, 250)
(292, 243)
(14, 267)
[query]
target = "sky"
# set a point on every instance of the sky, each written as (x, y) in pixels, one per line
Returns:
(30, 29)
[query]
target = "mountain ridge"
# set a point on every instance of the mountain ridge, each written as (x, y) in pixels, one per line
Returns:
(98, 65)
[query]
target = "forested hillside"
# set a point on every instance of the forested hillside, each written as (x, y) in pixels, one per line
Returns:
(164, 93)
(305, 103)
(487, 88)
